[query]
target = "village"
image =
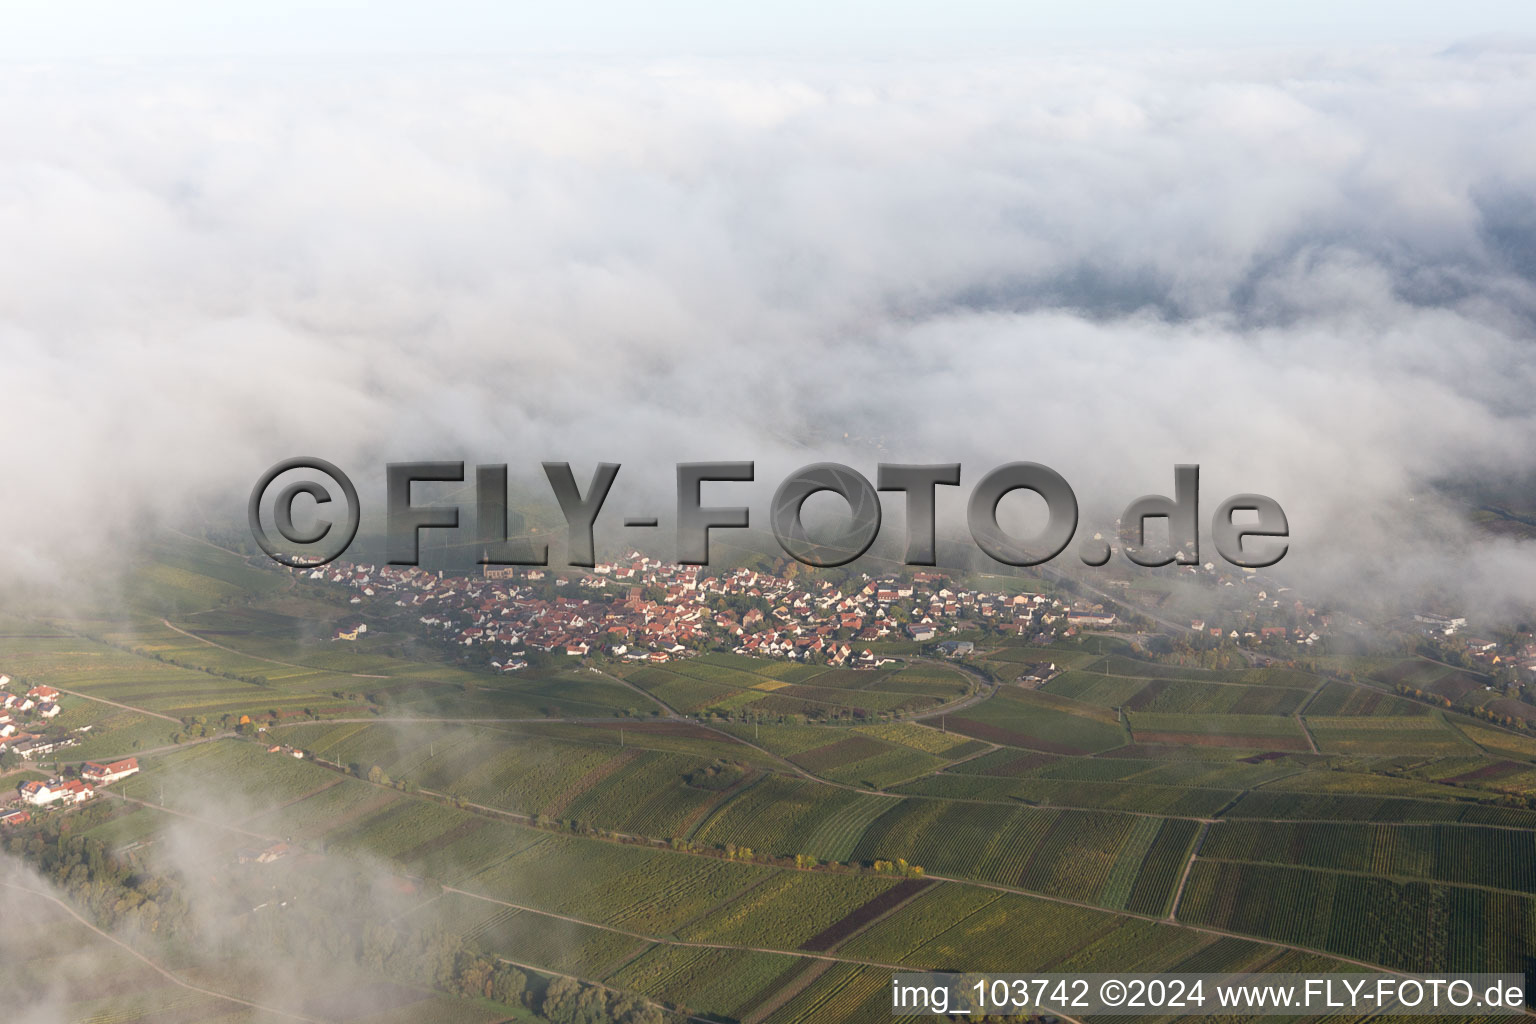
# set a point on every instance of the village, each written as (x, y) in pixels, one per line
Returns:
(62, 791)
(24, 717)
(640, 608)
(643, 609)
(647, 610)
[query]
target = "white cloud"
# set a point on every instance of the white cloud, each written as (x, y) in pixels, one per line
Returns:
(1311, 272)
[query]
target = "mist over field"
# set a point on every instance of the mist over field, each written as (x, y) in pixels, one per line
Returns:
(1312, 272)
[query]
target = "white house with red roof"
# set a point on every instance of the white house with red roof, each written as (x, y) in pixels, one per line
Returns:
(41, 794)
(103, 773)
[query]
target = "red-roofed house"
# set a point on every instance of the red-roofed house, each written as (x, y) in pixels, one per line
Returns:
(101, 774)
(41, 794)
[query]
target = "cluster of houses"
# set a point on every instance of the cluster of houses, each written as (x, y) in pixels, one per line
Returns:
(641, 608)
(64, 792)
(1301, 635)
(1525, 656)
(1307, 626)
(1270, 614)
(23, 716)
(646, 609)
(1450, 632)
(56, 791)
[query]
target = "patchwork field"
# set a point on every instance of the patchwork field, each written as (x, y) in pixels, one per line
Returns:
(1177, 696)
(1040, 721)
(1495, 858)
(1251, 732)
(1424, 734)
(753, 840)
(1412, 926)
(731, 683)
(1339, 699)
(788, 816)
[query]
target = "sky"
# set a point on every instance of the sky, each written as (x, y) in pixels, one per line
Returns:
(42, 29)
(1309, 267)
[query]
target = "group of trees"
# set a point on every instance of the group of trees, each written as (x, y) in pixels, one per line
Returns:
(1194, 651)
(1466, 708)
(111, 890)
(379, 777)
(1418, 694)
(800, 861)
(718, 775)
(568, 1001)
(898, 867)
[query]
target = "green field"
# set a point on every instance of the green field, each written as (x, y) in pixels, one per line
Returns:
(1252, 732)
(731, 683)
(1423, 734)
(1400, 925)
(746, 838)
(1459, 854)
(1040, 721)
